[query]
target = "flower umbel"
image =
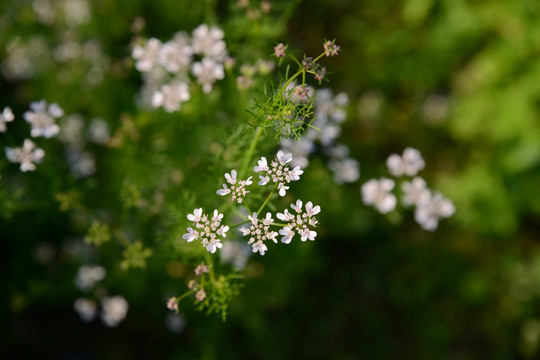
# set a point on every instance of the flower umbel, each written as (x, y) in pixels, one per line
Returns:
(278, 172)
(330, 48)
(299, 223)
(238, 188)
(207, 229)
(26, 155)
(260, 232)
(42, 118)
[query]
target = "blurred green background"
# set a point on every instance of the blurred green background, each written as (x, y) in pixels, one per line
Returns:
(459, 80)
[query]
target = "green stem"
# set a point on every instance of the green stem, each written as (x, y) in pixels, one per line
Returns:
(267, 199)
(249, 154)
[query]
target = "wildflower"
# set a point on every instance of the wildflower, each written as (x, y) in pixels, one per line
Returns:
(238, 188)
(279, 173)
(235, 253)
(201, 269)
(415, 191)
(208, 42)
(114, 310)
(86, 308)
(299, 223)
(172, 304)
(320, 73)
(200, 295)
(175, 55)
(279, 50)
(377, 193)
(409, 163)
(42, 118)
(431, 209)
(330, 48)
(345, 170)
(26, 156)
(5, 117)
(99, 131)
(171, 96)
(88, 276)
(259, 231)
(206, 228)
(307, 62)
(207, 72)
(147, 56)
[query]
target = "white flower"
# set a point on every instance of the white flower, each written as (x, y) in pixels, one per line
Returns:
(278, 172)
(86, 308)
(98, 131)
(345, 170)
(26, 156)
(171, 96)
(408, 164)
(207, 72)
(235, 253)
(431, 209)
(206, 229)
(114, 310)
(237, 189)
(300, 222)
(208, 42)
(5, 117)
(88, 276)
(377, 193)
(42, 119)
(147, 56)
(260, 232)
(415, 191)
(175, 55)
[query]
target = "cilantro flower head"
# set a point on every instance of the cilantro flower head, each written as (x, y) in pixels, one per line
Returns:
(207, 228)
(300, 222)
(237, 188)
(278, 172)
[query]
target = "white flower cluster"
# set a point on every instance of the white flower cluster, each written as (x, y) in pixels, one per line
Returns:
(259, 232)
(329, 114)
(237, 190)
(42, 118)
(81, 162)
(5, 117)
(278, 172)
(299, 223)
(28, 155)
(430, 206)
(207, 229)
(88, 276)
(166, 67)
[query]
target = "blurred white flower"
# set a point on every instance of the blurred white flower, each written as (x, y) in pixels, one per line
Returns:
(408, 164)
(207, 72)
(5, 117)
(378, 193)
(345, 170)
(208, 42)
(99, 131)
(235, 253)
(431, 209)
(171, 96)
(26, 156)
(414, 191)
(175, 54)
(86, 308)
(147, 56)
(88, 276)
(42, 118)
(114, 310)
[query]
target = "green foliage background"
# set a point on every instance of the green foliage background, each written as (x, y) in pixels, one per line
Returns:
(371, 286)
